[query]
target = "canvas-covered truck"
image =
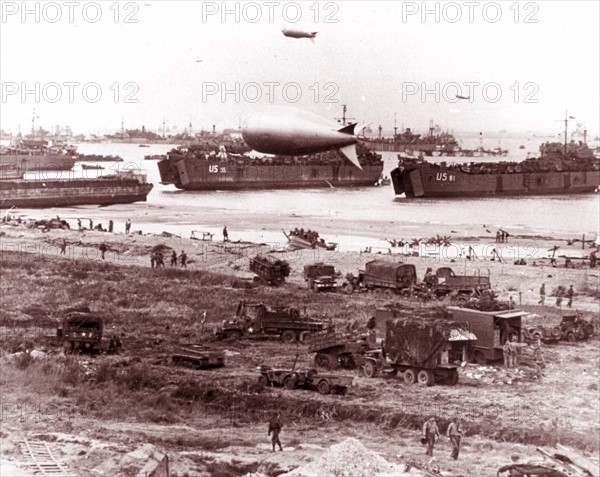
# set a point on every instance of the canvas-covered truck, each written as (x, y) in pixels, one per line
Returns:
(82, 332)
(320, 277)
(382, 276)
(426, 350)
(445, 281)
(269, 271)
(257, 320)
(492, 329)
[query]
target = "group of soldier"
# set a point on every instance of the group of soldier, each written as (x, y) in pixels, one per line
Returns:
(560, 294)
(431, 432)
(157, 259)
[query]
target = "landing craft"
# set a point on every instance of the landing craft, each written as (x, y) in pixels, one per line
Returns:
(294, 132)
(297, 33)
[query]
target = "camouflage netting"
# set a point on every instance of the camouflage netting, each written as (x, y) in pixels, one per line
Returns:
(486, 304)
(418, 342)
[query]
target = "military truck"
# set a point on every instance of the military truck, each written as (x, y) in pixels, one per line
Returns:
(492, 328)
(337, 348)
(320, 277)
(445, 282)
(256, 320)
(83, 332)
(423, 349)
(269, 271)
(573, 327)
(382, 276)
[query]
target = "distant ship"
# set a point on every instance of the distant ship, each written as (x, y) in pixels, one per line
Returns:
(34, 154)
(442, 143)
(197, 167)
(560, 169)
(121, 188)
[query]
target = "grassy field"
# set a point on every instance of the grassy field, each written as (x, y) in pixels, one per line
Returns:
(213, 422)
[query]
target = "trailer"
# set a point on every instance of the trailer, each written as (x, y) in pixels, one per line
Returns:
(445, 282)
(198, 357)
(256, 320)
(492, 328)
(308, 379)
(269, 271)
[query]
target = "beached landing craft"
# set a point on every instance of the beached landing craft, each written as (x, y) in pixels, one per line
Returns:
(197, 167)
(560, 169)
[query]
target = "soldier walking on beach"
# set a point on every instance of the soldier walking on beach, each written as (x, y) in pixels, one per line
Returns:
(275, 428)
(103, 248)
(183, 258)
(542, 294)
(570, 293)
(110, 226)
(455, 433)
(430, 434)
(79, 226)
(559, 296)
(63, 247)
(174, 259)
(91, 224)
(128, 226)
(225, 234)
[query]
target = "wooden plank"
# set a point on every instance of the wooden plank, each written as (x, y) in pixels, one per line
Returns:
(579, 460)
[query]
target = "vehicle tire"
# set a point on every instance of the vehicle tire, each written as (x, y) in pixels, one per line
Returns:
(410, 376)
(377, 291)
(324, 387)
(479, 357)
(288, 336)
(234, 335)
(452, 378)
(322, 361)
(302, 337)
(262, 380)
(391, 373)
(388, 293)
(289, 382)
(425, 377)
(556, 332)
(370, 369)
(588, 329)
(571, 337)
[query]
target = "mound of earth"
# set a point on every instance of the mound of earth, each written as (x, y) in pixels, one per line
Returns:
(349, 458)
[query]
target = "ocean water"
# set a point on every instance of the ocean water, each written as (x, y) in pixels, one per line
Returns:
(352, 217)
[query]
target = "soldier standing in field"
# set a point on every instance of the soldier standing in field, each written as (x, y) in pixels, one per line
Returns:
(455, 433)
(570, 293)
(275, 428)
(430, 434)
(542, 294)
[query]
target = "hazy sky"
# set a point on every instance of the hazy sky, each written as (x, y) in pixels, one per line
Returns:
(379, 58)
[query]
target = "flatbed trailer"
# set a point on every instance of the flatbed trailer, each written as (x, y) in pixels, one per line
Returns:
(198, 356)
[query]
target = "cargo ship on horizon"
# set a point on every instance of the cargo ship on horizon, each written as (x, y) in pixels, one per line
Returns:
(196, 167)
(35, 154)
(560, 169)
